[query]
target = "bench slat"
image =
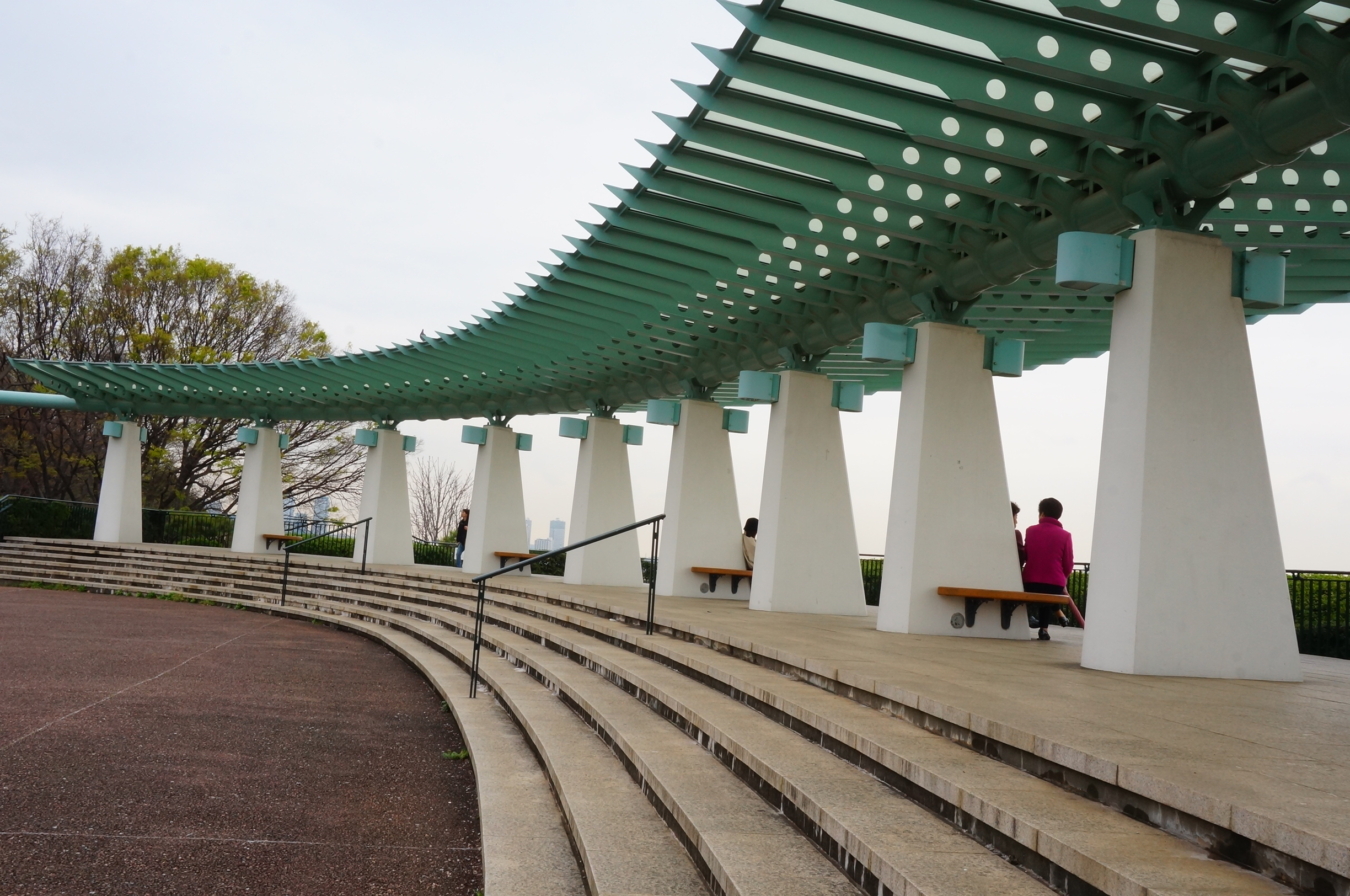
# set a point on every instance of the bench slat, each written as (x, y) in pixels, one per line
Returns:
(713, 570)
(1015, 596)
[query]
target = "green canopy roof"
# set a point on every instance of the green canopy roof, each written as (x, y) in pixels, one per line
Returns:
(876, 160)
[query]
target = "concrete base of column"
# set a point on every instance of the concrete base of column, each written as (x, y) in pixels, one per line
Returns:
(1187, 569)
(703, 523)
(259, 512)
(497, 506)
(119, 494)
(603, 500)
(807, 557)
(950, 518)
(384, 498)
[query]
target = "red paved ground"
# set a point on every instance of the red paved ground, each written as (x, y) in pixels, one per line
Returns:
(150, 747)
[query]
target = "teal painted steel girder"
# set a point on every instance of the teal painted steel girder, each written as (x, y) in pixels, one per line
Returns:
(876, 160)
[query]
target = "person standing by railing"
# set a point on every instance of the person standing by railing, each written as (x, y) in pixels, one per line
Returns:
(1049, 550)
(461, 536)
(748, 541)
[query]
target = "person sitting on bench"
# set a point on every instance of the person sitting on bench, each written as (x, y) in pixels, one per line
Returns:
(1049, 561)
(748, 541)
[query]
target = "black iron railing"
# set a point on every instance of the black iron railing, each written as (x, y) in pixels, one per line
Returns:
(1321, 602)
(287, 549)
(46, 517)
(434, 553)
(481, 582)
(207, 530)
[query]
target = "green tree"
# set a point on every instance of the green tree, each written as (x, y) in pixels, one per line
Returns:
(63, 296)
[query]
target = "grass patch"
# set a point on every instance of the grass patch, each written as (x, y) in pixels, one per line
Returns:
(53, 586)
(455, 754)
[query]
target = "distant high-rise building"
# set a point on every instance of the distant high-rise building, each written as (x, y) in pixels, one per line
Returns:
(529, 529)
(542, 544)
(557, 534)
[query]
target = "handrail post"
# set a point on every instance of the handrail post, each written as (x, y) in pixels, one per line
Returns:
(365, 543)
(651, 585)
(477, 639)
(285, 575)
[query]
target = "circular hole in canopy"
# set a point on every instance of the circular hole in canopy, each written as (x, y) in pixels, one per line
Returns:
(950, 126)
(951, 165)
(789, 243)
(1092, 112)
(844, 205)
(816, 225)
(996, 89)
(1045, 101)
(1225, 22)
(1290, 177)
(876, 182)
(850, 233)
(883, 241)
(992, 175)
(914, 192)
(1100, 59)
(1331, 178)
(1152, 71)
(823, 251)
(1039, 146)
(910, 155)
(880, 213)
(1048, 47)
(915, 222)
(1168, 10)
(994, 136)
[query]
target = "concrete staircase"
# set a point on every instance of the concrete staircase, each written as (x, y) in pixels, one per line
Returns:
(678, 764)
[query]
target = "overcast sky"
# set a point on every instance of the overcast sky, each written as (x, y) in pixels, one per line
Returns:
(401, 165)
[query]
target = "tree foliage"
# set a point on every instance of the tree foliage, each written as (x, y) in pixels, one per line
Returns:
(62, 296)
(436, 493)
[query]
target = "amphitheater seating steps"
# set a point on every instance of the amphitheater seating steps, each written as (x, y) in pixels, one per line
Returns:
(885, 806)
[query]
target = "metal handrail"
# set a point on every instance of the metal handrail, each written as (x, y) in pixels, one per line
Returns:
(481, 582)
(286, 549)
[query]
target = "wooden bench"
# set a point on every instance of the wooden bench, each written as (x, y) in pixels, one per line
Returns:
(281, 540)
(1008, 601)
(714, 573)
(511, 556)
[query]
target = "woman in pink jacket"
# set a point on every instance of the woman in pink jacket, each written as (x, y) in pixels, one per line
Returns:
(1049, 561)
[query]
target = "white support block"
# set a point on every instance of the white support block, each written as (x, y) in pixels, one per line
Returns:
(259, 511)
(950, 518)
(384, 498)
(603, 500)
(119, 494)
(807, 557)
(1187, 570)
(497, 505)
(703, 521)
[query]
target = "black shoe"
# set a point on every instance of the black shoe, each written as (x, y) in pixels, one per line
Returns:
(1044, 635)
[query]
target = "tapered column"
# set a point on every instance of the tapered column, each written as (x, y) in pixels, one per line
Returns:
(384, 499)
(259, 511)
(1187, 569)
(603, 500)
(807, 556)
(119, 495)
(497, 506)
(950, 522)
(703, 521)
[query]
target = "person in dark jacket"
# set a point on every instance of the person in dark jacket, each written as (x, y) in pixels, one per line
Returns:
(1049, 561)
(461, 536)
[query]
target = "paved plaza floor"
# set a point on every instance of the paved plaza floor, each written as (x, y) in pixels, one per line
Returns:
(150, 747)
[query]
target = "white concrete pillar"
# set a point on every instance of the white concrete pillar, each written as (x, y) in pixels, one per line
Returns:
(259, 511)
(603, 500)
(1187, 569)
(384, 498)
(119, 494)
(806, 560)
(950, 517)
(703, 520)
(497, 505)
